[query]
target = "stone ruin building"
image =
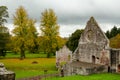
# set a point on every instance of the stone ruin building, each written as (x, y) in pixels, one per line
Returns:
(5, 74)
(64, 55)
(93, 54)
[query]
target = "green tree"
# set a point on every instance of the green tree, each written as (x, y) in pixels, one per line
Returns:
(4, 39)
(118, 30)
(73, 40)
(113, 32)
(3, 15)
(50, 31)
(108, 34)
(4, 33)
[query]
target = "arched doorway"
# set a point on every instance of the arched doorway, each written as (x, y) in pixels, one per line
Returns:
(118, 68)
(93, 59)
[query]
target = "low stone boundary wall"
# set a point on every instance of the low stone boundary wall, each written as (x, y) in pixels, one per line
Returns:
(39, 77)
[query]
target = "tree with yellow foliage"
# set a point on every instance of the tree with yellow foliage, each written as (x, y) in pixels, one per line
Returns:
(31, 36)
(50, 31)
(24, 31)
(115, 41)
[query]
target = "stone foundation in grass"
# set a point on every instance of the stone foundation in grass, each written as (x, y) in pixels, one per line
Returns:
(5, 74)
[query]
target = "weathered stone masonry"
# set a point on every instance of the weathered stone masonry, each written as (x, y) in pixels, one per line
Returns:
(93, 54)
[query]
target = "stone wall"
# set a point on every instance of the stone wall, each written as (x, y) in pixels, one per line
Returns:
(64, 55)
(92, 54)
(5, 74)
(115, 60)
(92, 44)
(83, 68)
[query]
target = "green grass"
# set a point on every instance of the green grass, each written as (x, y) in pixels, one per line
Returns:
(28, 55)
(25, 74)
(25, 68)
(102, 76)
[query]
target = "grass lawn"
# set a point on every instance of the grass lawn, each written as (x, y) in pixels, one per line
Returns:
(102, 76)
(28, 55)
(25, 68)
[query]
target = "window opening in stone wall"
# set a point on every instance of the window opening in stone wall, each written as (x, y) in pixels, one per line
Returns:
(118, 69)
(93, 59)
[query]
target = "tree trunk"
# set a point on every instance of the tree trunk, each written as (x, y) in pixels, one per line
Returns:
(44, 50)
(48, 55)
(22, 54)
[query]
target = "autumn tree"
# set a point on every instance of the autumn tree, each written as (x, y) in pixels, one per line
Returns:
(73, 40)
(50, 31)
(114, 36)
(24, 31)
(31, 37)
(60, 42)
(41, 47)
(115, 41)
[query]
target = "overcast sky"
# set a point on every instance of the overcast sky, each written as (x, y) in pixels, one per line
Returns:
(72, 14)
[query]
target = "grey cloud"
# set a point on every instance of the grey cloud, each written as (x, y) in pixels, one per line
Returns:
(69, 12)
